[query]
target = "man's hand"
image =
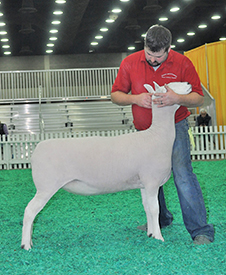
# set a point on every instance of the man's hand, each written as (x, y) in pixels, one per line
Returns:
(144, 100)
(167, 99)
(170, 98)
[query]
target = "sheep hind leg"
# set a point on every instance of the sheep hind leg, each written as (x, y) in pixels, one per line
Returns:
(32, 209)
(151, 207)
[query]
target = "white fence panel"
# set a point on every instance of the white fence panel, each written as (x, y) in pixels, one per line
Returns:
(16, 150)
(210, 143)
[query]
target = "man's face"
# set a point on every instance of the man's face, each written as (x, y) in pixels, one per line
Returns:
(203, 114)
(155, 59)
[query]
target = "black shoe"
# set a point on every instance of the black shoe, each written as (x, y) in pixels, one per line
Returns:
(165, 224)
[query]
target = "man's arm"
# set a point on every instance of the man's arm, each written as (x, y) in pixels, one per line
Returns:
(190, 100)
(142, 100)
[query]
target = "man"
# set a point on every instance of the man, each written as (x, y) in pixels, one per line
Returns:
(203, 119)
(3, 129)
(157, 62)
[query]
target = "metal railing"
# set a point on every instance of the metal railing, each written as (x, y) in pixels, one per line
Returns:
(67, 85)
(64, 84)
(65, 116)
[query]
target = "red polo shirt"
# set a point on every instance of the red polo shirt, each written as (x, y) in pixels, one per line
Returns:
(134, 72)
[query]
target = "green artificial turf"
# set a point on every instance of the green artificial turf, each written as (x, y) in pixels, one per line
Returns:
(97, 234)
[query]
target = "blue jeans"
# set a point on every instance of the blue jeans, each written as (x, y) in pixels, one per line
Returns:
(188, 188)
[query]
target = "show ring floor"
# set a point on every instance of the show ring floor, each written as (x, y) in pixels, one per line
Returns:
(97, 234)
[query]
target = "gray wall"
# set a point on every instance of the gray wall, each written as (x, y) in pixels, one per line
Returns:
(52, 62)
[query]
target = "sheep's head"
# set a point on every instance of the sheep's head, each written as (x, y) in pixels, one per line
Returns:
(177, 87)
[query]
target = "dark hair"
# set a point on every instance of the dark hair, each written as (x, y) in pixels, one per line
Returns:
(158, 38)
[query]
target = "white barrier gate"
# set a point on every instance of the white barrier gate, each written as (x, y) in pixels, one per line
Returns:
(16, 151)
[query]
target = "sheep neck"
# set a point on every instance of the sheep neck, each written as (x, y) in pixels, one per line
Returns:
(163, 121)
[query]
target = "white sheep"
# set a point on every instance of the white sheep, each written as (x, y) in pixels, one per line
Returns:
(100, 165)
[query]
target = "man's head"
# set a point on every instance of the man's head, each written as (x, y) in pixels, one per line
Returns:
(158, 38)
(203, 112)
(157, 45)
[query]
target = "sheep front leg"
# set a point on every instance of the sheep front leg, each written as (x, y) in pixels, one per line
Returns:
(151, 207)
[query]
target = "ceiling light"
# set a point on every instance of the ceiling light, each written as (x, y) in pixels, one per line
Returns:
(27, 7)
(174, 9)
(190, 33)
(2, 24)
(53, 38)
(172, 46)
(109, 20)
(50, 45)
(49, 51)
(98, 36)
(60, 1)
(3, 32)
(7, 53)
(26, 28)
(116, 10)
(124, 0)
(104, 29)
(215, 17)
(4, 39)
(1, 14)
(53, 31)
(132, 24)
(202, 26)
(163, 19)
(5, 46)
(152, 6)
(222, 38)
(57, 12)
(131, 48)
(56, 22)
(94, 43)
(180, 40)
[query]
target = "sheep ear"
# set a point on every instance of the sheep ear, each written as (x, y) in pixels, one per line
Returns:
(149, 88)
(157, 87)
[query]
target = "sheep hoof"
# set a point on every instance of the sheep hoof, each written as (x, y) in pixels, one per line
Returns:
(150, 235)
(23, 246)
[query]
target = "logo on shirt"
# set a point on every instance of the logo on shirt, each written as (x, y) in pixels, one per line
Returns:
(169, 75)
